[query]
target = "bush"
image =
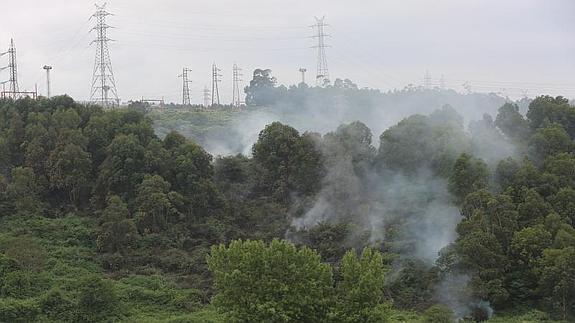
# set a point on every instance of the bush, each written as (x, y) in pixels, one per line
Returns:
(438, 314)
(97, 300)
(57, 306)
(13, 310)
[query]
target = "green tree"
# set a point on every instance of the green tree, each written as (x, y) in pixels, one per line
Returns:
(529, 243)
(154, 204)
(69, 169)
(420, 142)
(97, 300)
(557, 280)
(350, 141)
(564, 204)
(563, 166)
(512, 123)
(25, 191)
(549, 141)
(261, 91)
(18, 311)
(291, 162)
(360, 289)
(278, 282)
(546, 109)
(469, 175)
(505, 172)
(117, 231)
(123, 167)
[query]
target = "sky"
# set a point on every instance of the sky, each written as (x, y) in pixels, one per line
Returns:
(511, 47)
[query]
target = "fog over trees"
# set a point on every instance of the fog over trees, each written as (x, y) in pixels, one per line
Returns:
(421, 205)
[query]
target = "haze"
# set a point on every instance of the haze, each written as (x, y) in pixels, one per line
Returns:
(508, 47)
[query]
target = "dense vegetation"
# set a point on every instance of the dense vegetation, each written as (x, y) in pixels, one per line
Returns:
(101, 220)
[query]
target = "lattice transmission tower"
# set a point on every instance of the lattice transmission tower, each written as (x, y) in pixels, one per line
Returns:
(236, 97)
(216, 78)
(186, 86)
(322, 76)
(13, 90)
(427, 80)
(207, 97)
(104, 91)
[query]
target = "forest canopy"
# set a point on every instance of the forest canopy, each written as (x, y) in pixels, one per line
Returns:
(101, 219)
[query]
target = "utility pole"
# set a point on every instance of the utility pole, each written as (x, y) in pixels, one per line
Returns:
(442, 82)
(302, 71)
(48, 69)
(427, 80)
(322, 76)
(186, 86)
(236, 98)
(207, 97)
(103, 82)
(216, 78)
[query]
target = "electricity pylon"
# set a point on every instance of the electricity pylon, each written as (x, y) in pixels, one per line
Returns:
(103, 82)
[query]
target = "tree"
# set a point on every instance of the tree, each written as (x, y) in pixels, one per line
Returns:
(117, 231)
(549, 141)
(546, 109)
(529, 243)
(153, 204)
(25, 190)
(469, 175)
(512, 123)
(557, 280)
(122, 169)
(505, 172)
(17, 310)
(5, 160)
(69, 169)
(350, 141)
(360, 289)
(532, 208)
(291, 162)
(564, 204)
(563, 166)
(278, 282)
(97, 300)
(261, 91)
(481, 254)
(419, 142)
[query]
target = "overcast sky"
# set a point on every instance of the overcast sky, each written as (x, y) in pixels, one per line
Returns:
(496, 45)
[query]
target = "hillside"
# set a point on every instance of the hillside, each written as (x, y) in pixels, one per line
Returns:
(104, 219)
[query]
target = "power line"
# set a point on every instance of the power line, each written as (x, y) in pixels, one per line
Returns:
(185, 86)
(322, 76)
(103, 82)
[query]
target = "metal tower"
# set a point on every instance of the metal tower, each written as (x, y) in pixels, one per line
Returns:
(216, 78)
(13, 82)
(427, 80)
(48, 69)
(302, 71)
(236, 98)
(322, 77)
(186, 86)
(207, 97)
(104, 90)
